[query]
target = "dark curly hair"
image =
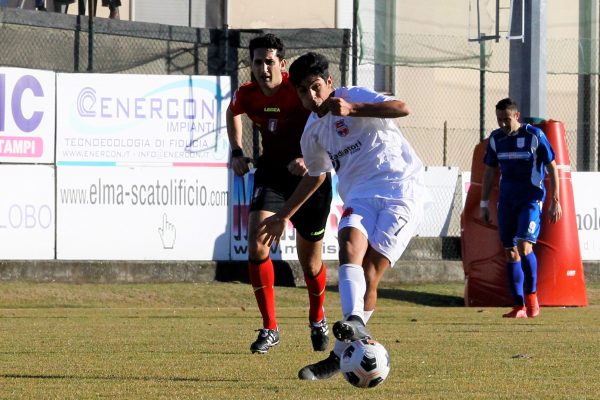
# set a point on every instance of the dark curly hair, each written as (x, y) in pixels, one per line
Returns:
(309, 64)
(267, 41)
(507, 104)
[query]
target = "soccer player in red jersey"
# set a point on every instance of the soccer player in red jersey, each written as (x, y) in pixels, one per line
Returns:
(271, 102)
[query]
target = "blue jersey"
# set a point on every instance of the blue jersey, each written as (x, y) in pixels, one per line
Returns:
(521, 158)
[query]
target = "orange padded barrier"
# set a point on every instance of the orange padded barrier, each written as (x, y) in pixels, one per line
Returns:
(560, 270)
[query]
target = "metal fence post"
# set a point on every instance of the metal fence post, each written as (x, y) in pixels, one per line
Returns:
(481, 90)
(90, 66)
(445, 146)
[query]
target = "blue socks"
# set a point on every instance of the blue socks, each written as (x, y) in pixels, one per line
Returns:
(515, 281)
(522, 277)
(529, 263)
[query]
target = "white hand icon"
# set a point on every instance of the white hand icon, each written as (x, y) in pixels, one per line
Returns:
(167, 233)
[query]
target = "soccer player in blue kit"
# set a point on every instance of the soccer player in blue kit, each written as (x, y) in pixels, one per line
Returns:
(523, 153)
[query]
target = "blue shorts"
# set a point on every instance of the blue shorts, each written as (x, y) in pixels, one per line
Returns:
(518, 221)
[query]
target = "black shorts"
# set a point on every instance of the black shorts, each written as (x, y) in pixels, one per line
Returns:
(272, 187)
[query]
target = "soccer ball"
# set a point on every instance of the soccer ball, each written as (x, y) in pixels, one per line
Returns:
(365, 363)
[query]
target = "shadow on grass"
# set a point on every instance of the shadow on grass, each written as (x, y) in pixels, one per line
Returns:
(285, 276)
(116, 378)
(420, 298)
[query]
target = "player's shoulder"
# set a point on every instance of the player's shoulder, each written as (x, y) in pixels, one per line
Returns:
(497, 133)
(494, 138)
(287, 89)
(245, 94)
(285, 79)
(248, 88)
(361, 94)
(312, 120)
(352, 91)
(533, 130)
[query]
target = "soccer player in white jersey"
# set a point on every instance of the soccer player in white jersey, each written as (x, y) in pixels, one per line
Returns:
(352, 131)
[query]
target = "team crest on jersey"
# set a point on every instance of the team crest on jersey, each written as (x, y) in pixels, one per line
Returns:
(272, 125)
(521, 142)
(341, 128)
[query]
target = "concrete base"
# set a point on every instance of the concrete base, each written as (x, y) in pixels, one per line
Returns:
(288, 273)
(426, 260)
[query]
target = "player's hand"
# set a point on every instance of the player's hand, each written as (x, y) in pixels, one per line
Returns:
(554, 211)
(240, 165)
(297, 167)
(337, 106)
(484, 214)
(271, 229)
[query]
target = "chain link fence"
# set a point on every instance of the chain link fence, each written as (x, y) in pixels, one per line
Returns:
(66, 43)
(452, 86)
(439, 76)
(444, 79)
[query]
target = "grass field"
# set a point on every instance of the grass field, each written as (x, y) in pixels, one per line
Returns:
(184, 341)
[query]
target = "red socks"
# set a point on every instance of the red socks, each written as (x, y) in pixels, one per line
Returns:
(262, 278)
(316, 294)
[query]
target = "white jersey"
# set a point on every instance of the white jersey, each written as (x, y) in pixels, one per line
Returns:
(370, 155)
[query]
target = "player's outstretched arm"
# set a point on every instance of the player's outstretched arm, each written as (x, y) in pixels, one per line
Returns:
(273, 227)
(385, 109)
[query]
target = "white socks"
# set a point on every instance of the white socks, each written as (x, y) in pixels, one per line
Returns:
(367, 316)
(352, 287)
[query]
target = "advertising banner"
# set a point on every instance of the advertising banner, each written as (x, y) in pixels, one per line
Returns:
(27, 116)
(241, 194)
(465, 182)
(110, 119)
(27, 212)
(441, 182)
(142, 167)
(142, 213)
(587, 208)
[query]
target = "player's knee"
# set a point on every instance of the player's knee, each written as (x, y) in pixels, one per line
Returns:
(524, 247)
(257, 251)
(312, 269)
(512, 254)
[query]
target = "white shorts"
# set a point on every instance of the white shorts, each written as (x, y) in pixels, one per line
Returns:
(388, 224)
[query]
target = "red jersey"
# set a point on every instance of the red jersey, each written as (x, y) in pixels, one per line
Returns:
(279, 118)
